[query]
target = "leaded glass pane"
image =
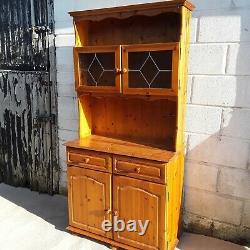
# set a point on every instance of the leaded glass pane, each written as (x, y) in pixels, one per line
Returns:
(150, 69)
(97, 69)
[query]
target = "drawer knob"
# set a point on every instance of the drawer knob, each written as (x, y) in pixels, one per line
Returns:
(87, 160)
(138, 170)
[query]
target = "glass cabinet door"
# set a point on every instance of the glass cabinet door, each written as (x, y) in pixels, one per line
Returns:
(98, 68)
(150, 69)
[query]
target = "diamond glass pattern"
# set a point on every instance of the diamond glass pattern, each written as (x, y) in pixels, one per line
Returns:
(97, 69)
(150, 69)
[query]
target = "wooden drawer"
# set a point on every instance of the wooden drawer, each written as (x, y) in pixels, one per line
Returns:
(89, 159)
(141, 169)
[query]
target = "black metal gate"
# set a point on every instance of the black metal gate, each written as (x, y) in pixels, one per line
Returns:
(28, 108)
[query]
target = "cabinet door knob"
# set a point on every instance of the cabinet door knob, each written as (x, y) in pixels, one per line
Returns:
(124, 70)
(118, 71)
(115, 213)
(107, 211)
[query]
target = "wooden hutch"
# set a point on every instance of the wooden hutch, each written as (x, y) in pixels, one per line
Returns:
(130, 73)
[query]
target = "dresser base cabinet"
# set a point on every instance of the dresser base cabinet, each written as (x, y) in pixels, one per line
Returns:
(95, 196)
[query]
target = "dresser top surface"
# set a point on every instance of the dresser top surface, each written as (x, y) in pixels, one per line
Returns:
(121, 147)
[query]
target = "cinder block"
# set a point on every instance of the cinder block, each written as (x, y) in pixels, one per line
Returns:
(63, 182)
(218, 150)
(200, 176)
(233, 27)
(62, 151)
(235, 182)
(232, 91)
(66, 90)
(202, 119)
(64, 56)
(189, 89)
(65, 40)
(64, 60)
(193, 34)
(67, 135)
(63, 164)
(213, 206)
(63, 177)
(185, 142)
(68, 124)
(236, 123)
(239, 59)
(65, 68)
(64, 27)
(229, 232)
(207, 59)
(246, 214)
(67, 108)
(66, 78)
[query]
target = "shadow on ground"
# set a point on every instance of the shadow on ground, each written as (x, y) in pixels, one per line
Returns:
(52, 209)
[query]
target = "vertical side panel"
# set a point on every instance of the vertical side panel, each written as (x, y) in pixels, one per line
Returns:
(177, 172)
(183, 74)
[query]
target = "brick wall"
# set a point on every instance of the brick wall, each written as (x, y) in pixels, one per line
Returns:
(217, 178)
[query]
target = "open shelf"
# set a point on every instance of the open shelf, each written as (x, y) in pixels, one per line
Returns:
(122, 147)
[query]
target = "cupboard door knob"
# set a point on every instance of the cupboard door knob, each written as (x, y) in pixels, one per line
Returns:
(124, 70)
(118, 71)
(87, 160)
(115, 213)
(107, 211)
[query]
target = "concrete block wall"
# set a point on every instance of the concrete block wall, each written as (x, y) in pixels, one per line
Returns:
(217, 171)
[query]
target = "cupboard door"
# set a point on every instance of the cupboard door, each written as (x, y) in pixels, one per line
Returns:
(89, 198)
(98, 69)
(140, 200)
(150, 69)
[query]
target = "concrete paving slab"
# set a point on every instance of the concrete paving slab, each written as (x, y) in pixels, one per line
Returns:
(29, 220)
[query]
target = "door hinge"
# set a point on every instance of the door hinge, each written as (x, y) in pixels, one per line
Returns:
(45, 118)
